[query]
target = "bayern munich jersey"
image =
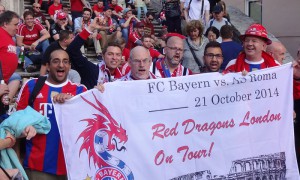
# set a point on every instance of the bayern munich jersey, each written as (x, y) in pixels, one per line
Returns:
(44, 152)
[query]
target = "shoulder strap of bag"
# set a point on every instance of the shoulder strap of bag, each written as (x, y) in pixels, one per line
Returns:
(194, 55)
(38, 86)
(201, 15)
(184, 71)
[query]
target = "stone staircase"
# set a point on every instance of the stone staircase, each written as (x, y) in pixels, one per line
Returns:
(91, 55)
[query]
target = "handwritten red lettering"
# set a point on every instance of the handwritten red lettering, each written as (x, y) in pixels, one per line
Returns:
(161, 131)
(191, 126)
(190, 155)
(267, 118)
(160, 157)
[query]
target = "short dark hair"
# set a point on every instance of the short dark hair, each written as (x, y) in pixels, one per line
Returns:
(7, 17)
(145, 36)
(150, 13)
(28, 13)
(226, 32)
(64, 34)
(214, 30)
(212, 44)
(114, 44)
(120, 41)
(53, 50)
(87, 9)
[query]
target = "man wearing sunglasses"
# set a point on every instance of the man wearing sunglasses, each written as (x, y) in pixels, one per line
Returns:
(39, 16)
(148, 26)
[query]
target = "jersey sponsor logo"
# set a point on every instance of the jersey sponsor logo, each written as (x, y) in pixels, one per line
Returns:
(30, 36)
(12, 49)
(40, 95)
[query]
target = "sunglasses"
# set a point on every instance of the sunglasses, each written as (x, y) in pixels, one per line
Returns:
(37, 7)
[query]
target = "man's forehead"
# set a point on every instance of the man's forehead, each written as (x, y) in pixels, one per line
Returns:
(213, 49)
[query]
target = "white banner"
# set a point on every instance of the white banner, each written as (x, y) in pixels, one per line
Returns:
(207, 126)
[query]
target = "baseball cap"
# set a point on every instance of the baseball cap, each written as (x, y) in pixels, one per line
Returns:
(139, 25)
(61, 15)
(217, 9)
(126, 10)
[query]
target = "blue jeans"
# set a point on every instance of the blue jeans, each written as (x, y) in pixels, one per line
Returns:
(14, 76)
(139, 11)
(41, 47)
(125, 34)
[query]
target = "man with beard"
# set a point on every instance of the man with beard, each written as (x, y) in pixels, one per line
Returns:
(83, 22)
(44, 157)
(170, 66)
(135, 37)
(213, 57)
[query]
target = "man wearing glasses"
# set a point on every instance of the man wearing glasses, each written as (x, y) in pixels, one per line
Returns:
(170, 66)
(39, 16)
(213, 57)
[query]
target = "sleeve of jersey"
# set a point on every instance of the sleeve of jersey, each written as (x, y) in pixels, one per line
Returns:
(296, 90)
(22, 101)
(51, 11)
(20, 28)
(230, 67)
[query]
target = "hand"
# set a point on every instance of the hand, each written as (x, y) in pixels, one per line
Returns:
(9, 137)
(62, 97)
(100, 87)
(94, 35)
(96, 23)
(4, 89)
(29, 132)
(34, 45)
(296, 67)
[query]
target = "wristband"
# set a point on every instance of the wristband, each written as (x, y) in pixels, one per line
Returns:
(11, 141)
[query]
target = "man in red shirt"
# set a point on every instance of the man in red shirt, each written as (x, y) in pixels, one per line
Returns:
(135, 37)
(77, 7)
(149, 28)
(39, 16)
(8, 55)
(98, 8)
(146, 40)
(54, 8)
(117, 10)
(34, 37)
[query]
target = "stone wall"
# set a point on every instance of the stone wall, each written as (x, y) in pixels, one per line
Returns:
(14, 5)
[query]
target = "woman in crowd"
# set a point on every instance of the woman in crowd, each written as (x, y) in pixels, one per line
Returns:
(194, 46)
(212, 33)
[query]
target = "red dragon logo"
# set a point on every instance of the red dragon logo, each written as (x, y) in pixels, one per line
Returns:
(105, 123)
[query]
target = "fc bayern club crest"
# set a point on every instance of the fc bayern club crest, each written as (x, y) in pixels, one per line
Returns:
(100, 129)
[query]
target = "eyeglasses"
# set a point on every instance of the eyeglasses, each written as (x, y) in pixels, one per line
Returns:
(37, 7)
(137, 61)
(211, 56)
(175, 49)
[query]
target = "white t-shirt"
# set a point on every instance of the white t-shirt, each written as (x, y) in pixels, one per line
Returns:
(195, 8)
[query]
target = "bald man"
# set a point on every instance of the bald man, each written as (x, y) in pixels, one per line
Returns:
(277, 50)
(140, 62)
